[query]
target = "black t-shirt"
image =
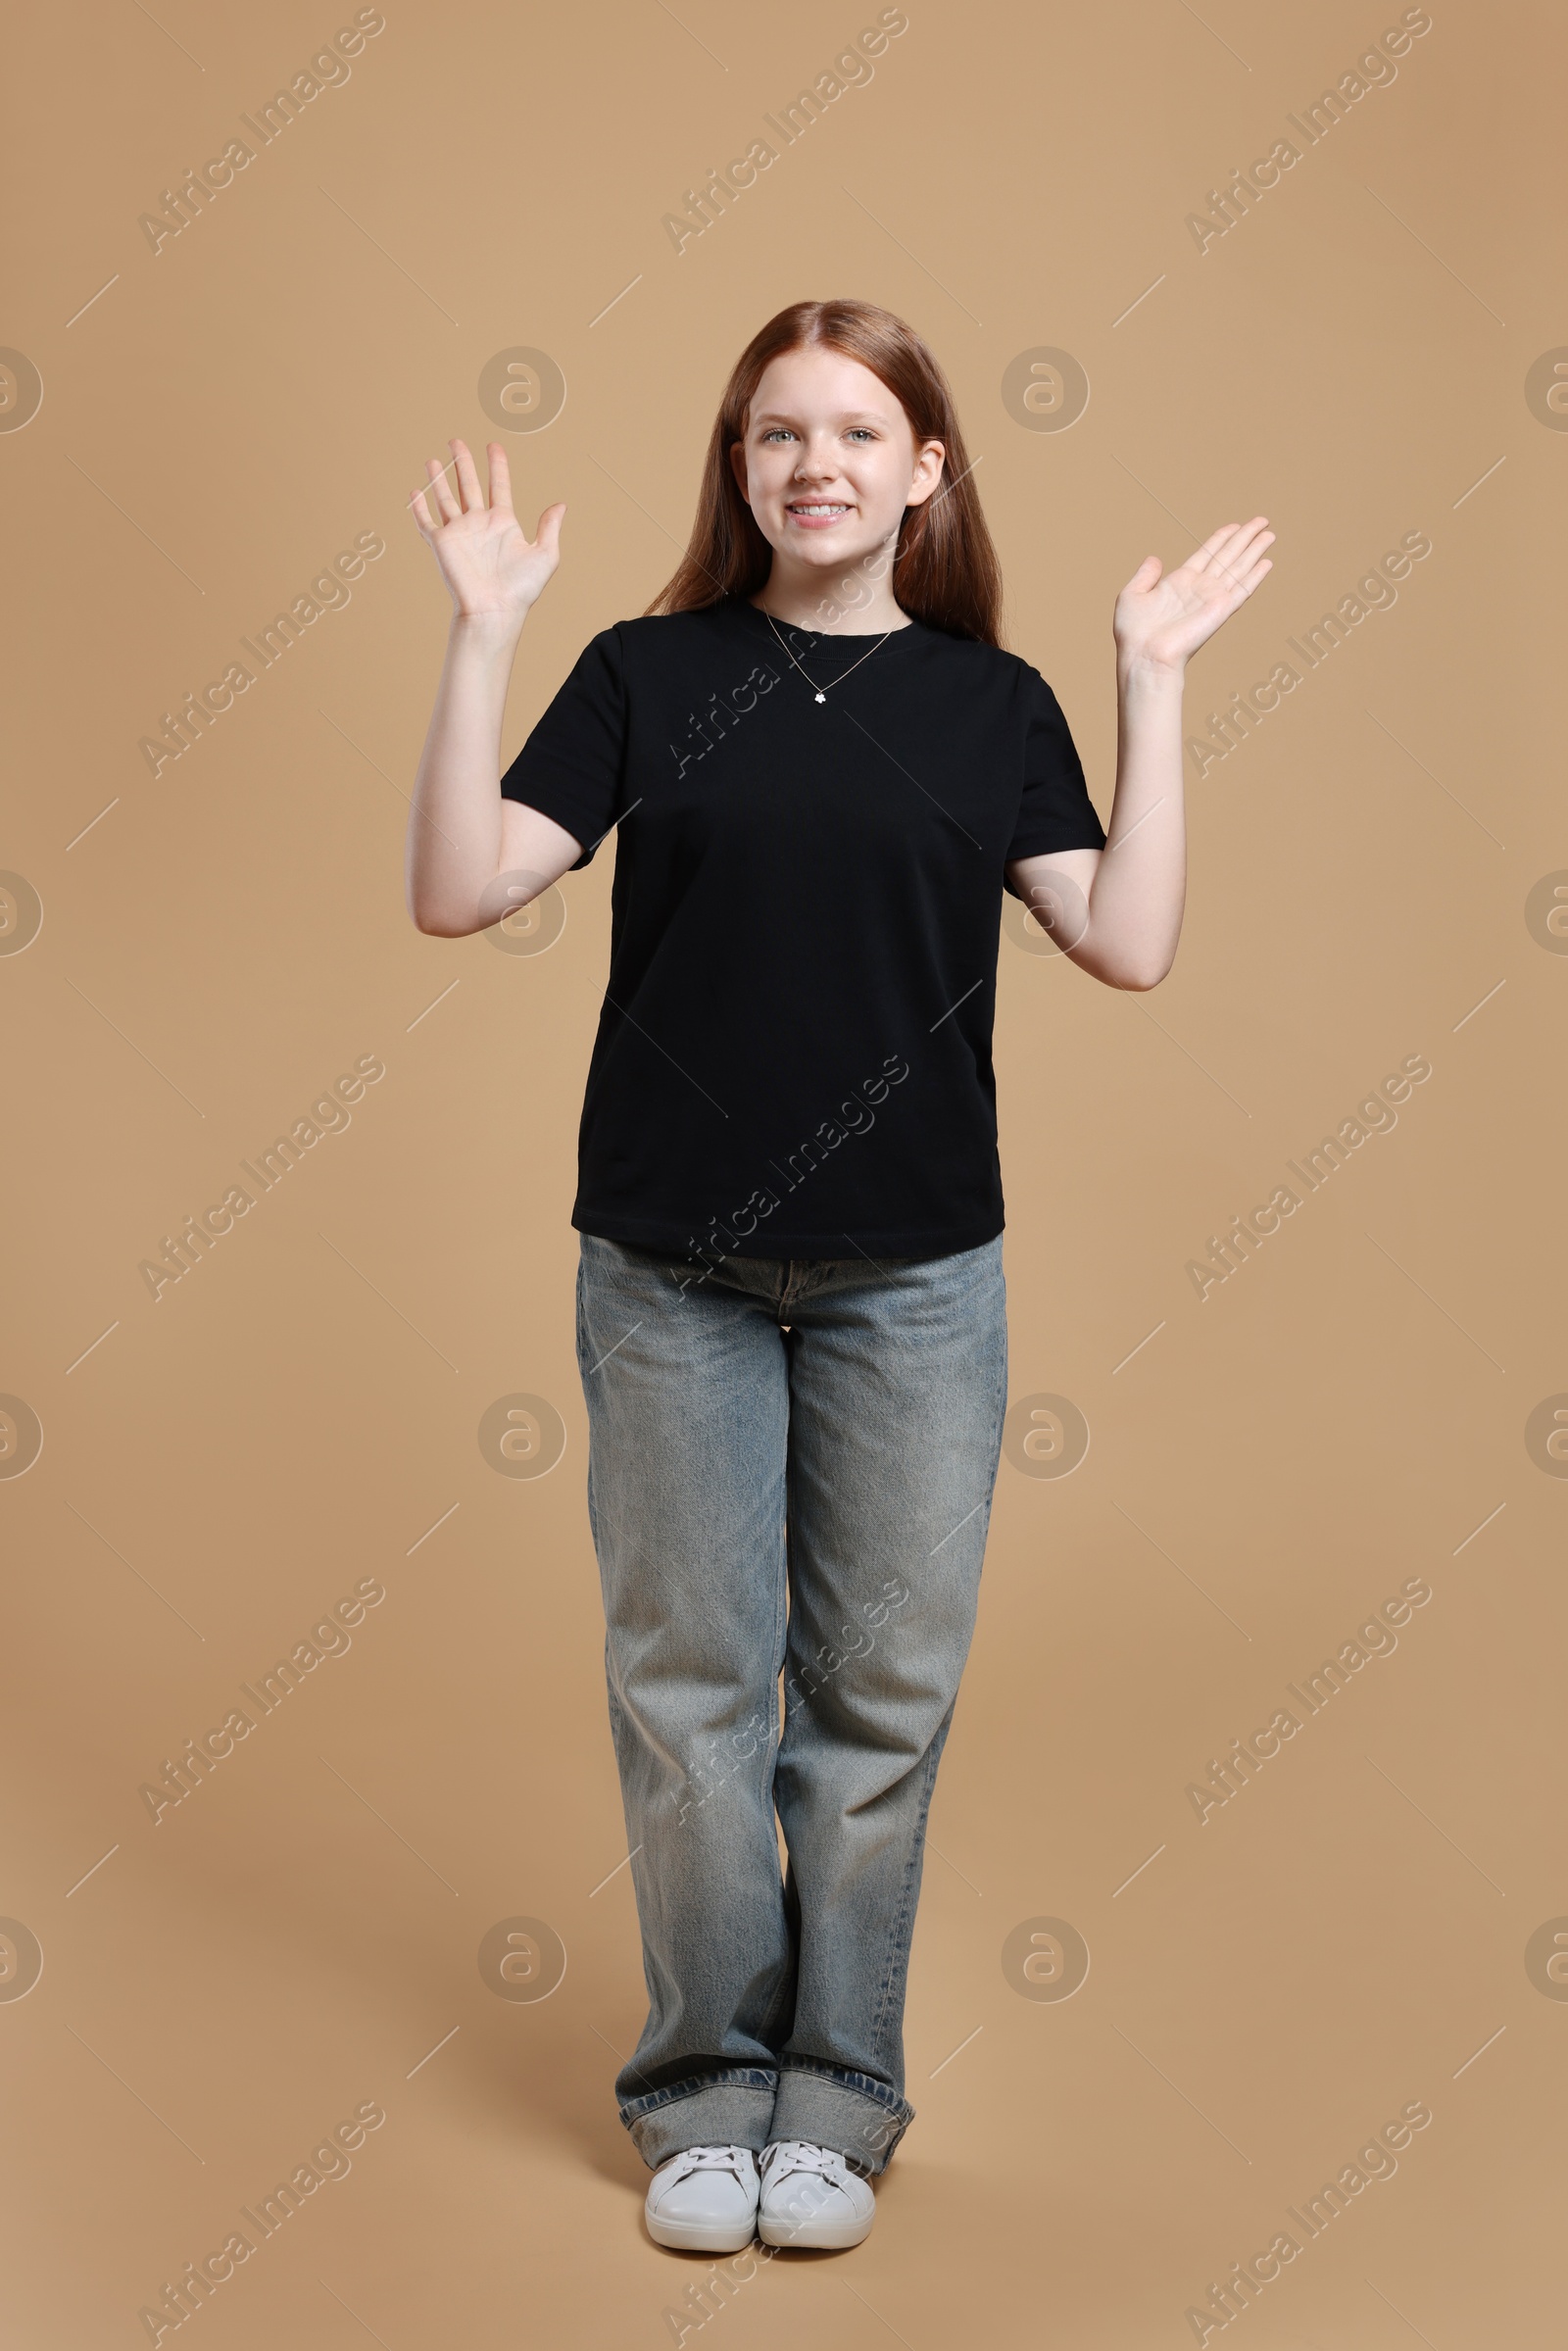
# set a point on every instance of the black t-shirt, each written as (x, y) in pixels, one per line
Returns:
(793, 1053)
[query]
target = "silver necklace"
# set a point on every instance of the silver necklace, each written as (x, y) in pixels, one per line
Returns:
(821, 692)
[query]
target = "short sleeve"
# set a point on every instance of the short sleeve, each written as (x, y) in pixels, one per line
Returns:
(572, 767)
(1056, 811)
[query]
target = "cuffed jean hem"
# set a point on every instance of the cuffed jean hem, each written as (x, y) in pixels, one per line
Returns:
(858, 2117)
(732, 2109)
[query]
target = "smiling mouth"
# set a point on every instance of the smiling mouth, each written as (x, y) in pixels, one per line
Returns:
(817, 510)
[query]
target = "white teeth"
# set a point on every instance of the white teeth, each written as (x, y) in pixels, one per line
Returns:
(818, 509)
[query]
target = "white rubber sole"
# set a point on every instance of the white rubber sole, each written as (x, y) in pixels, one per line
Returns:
(817, 2235)
(702, 2237)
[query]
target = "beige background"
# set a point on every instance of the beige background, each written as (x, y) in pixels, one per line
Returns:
(219, 419)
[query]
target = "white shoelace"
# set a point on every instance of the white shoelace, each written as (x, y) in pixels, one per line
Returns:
(738, 2160)
(788, 2156)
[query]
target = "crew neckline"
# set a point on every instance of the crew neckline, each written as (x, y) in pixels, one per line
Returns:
(824, 636)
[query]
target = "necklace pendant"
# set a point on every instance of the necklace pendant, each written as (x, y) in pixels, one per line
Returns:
(821, 698)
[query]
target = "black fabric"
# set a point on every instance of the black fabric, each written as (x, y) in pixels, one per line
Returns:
(794, 1055)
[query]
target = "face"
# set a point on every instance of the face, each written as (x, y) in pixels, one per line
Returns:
(830, 460)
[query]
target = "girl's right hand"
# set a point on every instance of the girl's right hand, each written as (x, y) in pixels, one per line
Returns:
(491, 570)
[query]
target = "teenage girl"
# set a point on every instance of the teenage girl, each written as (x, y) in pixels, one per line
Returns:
(821, 770)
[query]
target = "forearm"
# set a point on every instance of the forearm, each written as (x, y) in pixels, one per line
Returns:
(1117, 911)
(453, 845)
(1136, 901)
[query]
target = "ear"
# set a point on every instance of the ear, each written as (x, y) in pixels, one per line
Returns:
(737, 466)
(929, 462)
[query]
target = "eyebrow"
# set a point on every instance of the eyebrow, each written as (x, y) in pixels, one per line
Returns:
(849, 416)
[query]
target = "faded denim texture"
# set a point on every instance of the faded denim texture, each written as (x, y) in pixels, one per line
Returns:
(811, 1500)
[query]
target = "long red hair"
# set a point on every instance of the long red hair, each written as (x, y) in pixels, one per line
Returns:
(945, 570)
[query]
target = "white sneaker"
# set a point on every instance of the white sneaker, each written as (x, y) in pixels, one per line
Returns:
(705, 2200)
(810, 2198)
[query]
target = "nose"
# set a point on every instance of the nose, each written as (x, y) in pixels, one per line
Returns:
(816, 463)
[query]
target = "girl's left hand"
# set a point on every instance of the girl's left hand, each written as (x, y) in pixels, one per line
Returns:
(1162, 618)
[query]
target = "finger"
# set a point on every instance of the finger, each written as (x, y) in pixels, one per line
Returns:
(1233, 563)
(546, 534)
(1241, 584)
(421, 515)
(499, 477)
(438, 491)
(1247, 540)
(1239, 546)
(467, 477)
(1146, 575)
(1202, 557)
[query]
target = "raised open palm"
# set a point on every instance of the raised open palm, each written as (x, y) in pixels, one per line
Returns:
(1165, 616)
(488, 564)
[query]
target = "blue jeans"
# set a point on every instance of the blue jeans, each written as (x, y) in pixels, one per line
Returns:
(822, 1432)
